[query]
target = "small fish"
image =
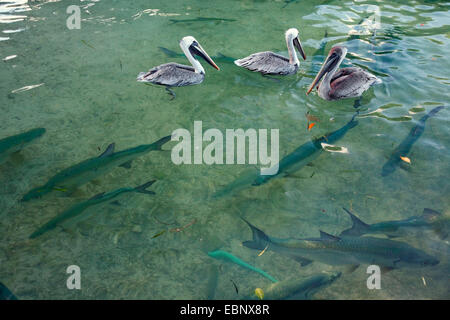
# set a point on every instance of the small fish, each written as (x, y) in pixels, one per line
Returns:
(87, 170)
(259, 293)
(77, 213)
(201, 19)
(179, 229)
(87, 44)
(5, 293)
(226, 256)
(235, 286)
(15, 143)
(158, 234)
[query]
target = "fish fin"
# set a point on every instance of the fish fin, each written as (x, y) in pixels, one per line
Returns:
(303, 261)
(109, 151)
(260, 239)
(162, 141)
(126, 165)
(97, 196)
(358, 228)
(142, 188)
(430, 215)
(351, 268)
(327, 236)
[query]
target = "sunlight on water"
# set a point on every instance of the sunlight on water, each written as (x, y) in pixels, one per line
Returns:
(80, 85)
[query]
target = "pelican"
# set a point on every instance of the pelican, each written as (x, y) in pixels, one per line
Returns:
(346, 83)
(179, 75)
(268, 62)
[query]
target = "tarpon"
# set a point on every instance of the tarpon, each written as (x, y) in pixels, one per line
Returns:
(297, 289)
(405, 146)
(430, 219)
(83, 172)
(15, 143)
(353, 251)
(294, 161)
(77, 212)
(307, 152)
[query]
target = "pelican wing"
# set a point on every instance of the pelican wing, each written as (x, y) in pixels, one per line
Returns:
(172, 75)
(266, 63)
(351, 82)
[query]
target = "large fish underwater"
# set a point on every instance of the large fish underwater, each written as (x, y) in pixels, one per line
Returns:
(17, 142)
(294, 161)
(78, 213)
(351, 251)
(297, 289)
(429, 220)
(405, 146)
(87, 170)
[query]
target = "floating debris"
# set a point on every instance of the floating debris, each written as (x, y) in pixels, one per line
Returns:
(406, 159)
(262, 252)
(310, 125)
(87, 44)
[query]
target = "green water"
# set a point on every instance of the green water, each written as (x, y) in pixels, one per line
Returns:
(87, 97)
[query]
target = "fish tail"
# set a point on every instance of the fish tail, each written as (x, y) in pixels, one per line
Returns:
(168, 52)
(435, 110)
(260, 239)
(161, 142)
(142, 188)
(358, 228)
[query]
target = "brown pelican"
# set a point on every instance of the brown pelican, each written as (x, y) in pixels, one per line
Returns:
(271, 63)
(178, 75)
(346, 83)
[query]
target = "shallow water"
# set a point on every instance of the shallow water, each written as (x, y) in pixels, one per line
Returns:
(80, 85)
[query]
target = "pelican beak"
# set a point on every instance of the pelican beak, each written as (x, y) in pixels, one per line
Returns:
(197, 49)
(329, 64)
(299, 47)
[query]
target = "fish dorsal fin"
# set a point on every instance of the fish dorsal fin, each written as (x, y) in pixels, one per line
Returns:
(327, 236)
(430, 215)
(97, 196)
(358, 224)
(109, 151)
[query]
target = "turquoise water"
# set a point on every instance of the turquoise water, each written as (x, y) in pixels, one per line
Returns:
(81, 86)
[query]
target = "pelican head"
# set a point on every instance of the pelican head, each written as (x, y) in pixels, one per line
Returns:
(192, 48)
(292, 37)
(332, 62)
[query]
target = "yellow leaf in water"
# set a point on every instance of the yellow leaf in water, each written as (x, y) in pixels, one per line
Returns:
(406, 159)
(262, 252)
(424, 282)
(259, 293)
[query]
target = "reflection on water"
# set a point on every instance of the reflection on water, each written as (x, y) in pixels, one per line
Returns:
(80, 86)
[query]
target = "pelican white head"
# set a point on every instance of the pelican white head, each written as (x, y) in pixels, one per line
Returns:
(293, 40)
(191, 47)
